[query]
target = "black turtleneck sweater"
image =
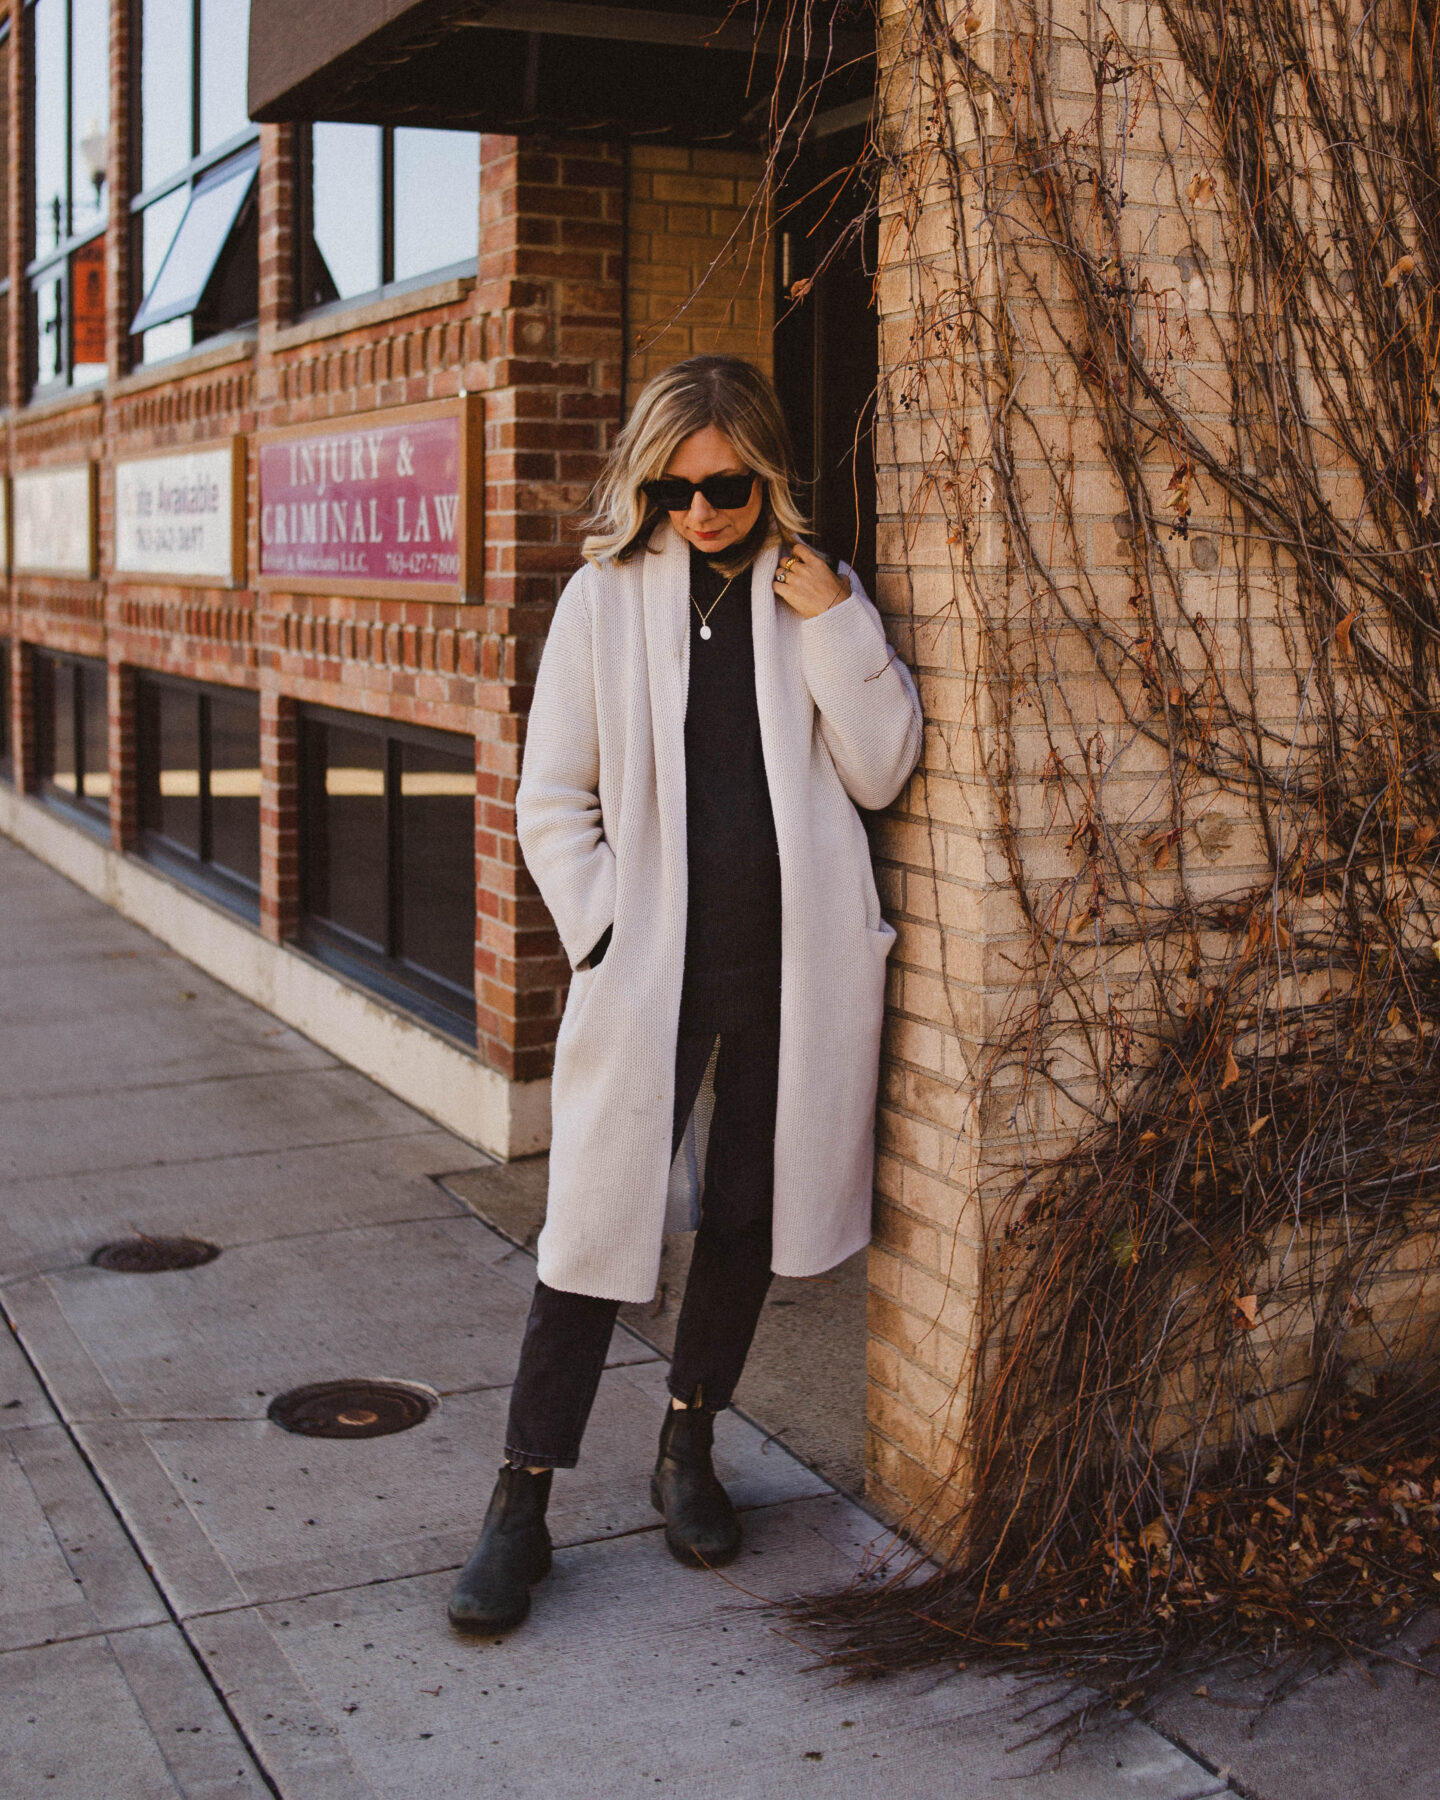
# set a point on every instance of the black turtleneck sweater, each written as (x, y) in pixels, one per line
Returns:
(732, 926)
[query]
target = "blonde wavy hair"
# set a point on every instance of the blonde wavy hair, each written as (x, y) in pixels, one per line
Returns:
(733, 396)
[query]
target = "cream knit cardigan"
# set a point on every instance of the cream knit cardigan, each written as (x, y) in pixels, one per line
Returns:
(601, 820)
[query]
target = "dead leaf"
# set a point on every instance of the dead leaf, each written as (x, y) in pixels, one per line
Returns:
(1258, 1126)
(971, 23)
(1420, 839)
(1200, 187)
(1161, 858)
(799, 289)
(1155, 1536)
(1400, 270)
(1247, 1314)
(1232, 1069)
(1202, 1692)
(1247, 1562)
(1342, 632)
(1176, 695)
(1393, 1016)
(1080, 923)
(1149, 1137)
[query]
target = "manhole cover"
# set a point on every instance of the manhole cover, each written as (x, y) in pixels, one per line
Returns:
(351, 1409)
(140, 1255)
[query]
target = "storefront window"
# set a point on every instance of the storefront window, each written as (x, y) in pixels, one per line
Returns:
(199, 770)
(387, 836)
(196, 212)
(386, 204)
(70, 149)
(72, 733)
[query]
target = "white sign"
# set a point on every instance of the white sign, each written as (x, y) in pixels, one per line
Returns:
(175, 515)
(54, 520)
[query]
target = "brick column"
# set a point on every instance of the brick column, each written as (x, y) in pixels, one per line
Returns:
(551, 246)
(277, 225)
(279, 815)
(124, 736)
(23, 698)
(118, 312)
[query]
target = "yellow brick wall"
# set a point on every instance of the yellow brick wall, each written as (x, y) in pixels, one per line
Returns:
(698, 276)
(965, 959)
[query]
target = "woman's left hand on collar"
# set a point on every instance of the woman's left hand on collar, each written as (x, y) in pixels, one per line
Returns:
(807, 584)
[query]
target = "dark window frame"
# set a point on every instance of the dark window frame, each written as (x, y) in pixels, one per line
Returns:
(92, 811)
(201, 873)
(306, 274)
(433, 998)
(57, 262)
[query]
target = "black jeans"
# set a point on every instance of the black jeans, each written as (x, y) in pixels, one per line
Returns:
(567, 1335)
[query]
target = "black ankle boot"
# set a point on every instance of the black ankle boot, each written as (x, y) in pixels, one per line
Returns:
(701, 1528)
(493, 1590)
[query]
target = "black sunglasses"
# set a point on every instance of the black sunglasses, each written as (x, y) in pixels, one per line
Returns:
(672, 493)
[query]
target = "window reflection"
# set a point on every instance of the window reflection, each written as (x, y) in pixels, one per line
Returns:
(191, 257)
(387, 831)
(437, 835)
(49, 331)
(350, 890)
(345, 175)
(224, 59)
(386, 204)
(50, 161)
(234, 763)
(200, 249)
(87, 306)
(73, 744)
(89, 113)
(176, 813)
(59, 740)
(200, 785)
(70, 154)
(165, 125)
(437, 200)
(95, 729)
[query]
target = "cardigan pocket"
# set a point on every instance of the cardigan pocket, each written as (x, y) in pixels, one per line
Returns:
(581, 983)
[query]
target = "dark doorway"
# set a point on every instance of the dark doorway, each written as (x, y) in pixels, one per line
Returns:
(826, 344)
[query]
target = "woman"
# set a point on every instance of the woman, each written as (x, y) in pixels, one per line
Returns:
(713, 704)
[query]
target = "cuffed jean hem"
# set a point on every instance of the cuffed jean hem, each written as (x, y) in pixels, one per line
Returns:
(522, 1459)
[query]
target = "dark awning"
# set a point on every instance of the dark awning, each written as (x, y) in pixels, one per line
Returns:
(676, 69)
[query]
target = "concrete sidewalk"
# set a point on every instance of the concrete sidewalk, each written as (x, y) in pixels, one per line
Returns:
(194, 1602)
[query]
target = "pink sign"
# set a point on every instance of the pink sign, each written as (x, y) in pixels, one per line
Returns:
(370, 503)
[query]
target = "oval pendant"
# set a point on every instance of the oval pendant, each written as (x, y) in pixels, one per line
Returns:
(704, 631)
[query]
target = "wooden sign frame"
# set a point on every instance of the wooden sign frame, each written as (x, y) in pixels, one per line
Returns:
(239, 546)
(30, 571)
(470, 516)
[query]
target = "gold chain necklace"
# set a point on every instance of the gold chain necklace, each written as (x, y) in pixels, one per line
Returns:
(705, 631)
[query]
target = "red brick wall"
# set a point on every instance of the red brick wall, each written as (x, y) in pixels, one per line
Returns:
(538, 333)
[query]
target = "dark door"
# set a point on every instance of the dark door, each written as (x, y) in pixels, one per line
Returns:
(827, 348)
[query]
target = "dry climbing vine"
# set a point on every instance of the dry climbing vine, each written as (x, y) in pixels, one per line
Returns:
(1164, 414)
